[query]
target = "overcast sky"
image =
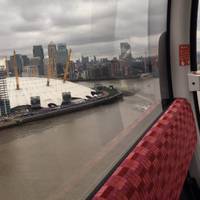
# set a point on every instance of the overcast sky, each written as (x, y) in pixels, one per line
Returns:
(89, 27)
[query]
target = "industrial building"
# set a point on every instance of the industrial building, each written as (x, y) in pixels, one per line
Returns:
(4, 99)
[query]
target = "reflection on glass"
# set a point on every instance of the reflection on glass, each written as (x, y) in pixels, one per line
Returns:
(112, 42)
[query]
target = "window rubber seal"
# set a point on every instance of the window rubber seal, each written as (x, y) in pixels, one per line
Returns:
(193, 51)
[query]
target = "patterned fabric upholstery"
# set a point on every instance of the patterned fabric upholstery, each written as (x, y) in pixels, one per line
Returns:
(156, 169)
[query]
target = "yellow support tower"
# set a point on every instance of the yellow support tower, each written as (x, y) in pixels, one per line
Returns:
(6, 65)
(34, 71)
(53, 68)
(49, 69)
(16, 71)
(66, 71)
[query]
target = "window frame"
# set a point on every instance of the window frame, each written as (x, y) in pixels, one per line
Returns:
(166, 102)
(193, 51)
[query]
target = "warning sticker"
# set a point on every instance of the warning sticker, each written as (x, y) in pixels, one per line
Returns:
(184, 55)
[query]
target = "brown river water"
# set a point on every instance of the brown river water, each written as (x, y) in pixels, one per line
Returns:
(66, 157)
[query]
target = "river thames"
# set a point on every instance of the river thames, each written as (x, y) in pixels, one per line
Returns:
(65, 157)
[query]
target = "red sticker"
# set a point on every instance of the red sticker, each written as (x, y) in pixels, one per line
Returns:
(184, 55)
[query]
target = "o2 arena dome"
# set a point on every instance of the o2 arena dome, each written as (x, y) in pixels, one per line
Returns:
(33, 86)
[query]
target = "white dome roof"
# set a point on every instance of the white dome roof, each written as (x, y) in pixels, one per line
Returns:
(32, 86)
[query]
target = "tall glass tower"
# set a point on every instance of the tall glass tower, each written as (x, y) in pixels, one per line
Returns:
(38, 52)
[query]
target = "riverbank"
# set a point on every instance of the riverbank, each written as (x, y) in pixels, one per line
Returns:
(107, 79)
(107, 95)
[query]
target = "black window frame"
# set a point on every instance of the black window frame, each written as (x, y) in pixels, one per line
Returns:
(193, 50)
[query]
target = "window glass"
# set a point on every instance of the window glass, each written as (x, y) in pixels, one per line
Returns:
(198, 41)
(112, 42)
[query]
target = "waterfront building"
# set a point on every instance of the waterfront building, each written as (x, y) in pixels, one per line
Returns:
(26, 60)
(85, 60)
(46, 63)
(95, 59)
(8, 67)
(19, 64)
(52, 53)
(4, 100)
(30, 71)
(62, 53)
(125, 50)
(116, 68)
(61, 58)
(35, 61)
(38, 52)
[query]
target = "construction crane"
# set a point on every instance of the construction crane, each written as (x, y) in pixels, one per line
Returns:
(66, 71)
(16, 71)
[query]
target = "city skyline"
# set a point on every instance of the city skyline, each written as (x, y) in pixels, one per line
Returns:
(123, 65)
(45, 52)
(98, 30)
(75, 57)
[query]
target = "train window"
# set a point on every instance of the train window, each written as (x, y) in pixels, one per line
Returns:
(198, 41)
(198, 48)
(103, 43)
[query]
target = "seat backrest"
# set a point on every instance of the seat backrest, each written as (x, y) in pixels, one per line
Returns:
(157, 167)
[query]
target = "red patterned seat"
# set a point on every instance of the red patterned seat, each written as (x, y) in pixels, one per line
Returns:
(156, 169)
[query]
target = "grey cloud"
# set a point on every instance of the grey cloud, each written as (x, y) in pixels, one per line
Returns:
(69, 21)
(27, 27)
(83, 24)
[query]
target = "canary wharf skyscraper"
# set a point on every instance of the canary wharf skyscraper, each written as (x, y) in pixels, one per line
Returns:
(38, 52)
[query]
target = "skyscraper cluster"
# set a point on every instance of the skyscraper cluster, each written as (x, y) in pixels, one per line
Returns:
(38, 64)
(86, 68)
